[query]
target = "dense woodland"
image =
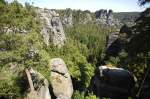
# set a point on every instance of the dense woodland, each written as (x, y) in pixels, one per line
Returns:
(84, 50)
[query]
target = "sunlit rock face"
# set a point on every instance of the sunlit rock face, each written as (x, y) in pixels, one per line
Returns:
(67, 19)
(60, 79)
(51, 27)
(106, 17)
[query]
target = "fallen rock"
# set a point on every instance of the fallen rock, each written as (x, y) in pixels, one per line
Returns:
(60, 79)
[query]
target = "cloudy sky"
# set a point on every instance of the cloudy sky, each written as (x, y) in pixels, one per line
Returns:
(92, 5)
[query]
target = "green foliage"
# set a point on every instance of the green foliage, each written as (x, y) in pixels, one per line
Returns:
(127, 17)
(16, 47)
(81, 95)
(84, 48)
(14, 15)
(9, 86)
(91, 35)
(78, 95)
(77, 64)
(90, 96)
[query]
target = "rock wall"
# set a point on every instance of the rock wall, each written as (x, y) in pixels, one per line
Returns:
(51, 27)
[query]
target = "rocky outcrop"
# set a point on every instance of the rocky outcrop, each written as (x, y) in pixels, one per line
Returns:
(106, 17)
(101, 16)
(39, 86)
(52, 29)
(60, 79)
(67, 18)
(112, 82)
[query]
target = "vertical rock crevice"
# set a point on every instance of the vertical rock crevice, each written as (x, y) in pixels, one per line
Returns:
(51, 27)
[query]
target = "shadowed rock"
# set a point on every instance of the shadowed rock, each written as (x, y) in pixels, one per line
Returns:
(115, 83)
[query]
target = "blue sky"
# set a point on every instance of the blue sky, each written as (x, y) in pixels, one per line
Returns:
(92, 5)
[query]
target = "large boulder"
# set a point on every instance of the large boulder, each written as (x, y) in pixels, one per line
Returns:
(115, 83)
(51, 27)
(60, 79)
(39, 86)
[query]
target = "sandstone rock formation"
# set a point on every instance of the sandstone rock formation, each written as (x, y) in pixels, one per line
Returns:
(106, 17)
(38, 85)
(60, 79)
(52, 29)
(101, 16)
(67, 18)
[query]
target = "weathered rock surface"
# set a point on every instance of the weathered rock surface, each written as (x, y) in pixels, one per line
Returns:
(106, 17)
(39, 86)
(52, 29)
(60, 79)
(67, 18)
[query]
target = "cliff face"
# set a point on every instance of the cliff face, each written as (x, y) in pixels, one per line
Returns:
(51, 27)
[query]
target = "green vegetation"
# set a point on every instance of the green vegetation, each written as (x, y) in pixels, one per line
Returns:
(82, 52)
(127, 17)
(16, 49)
(93, 37)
